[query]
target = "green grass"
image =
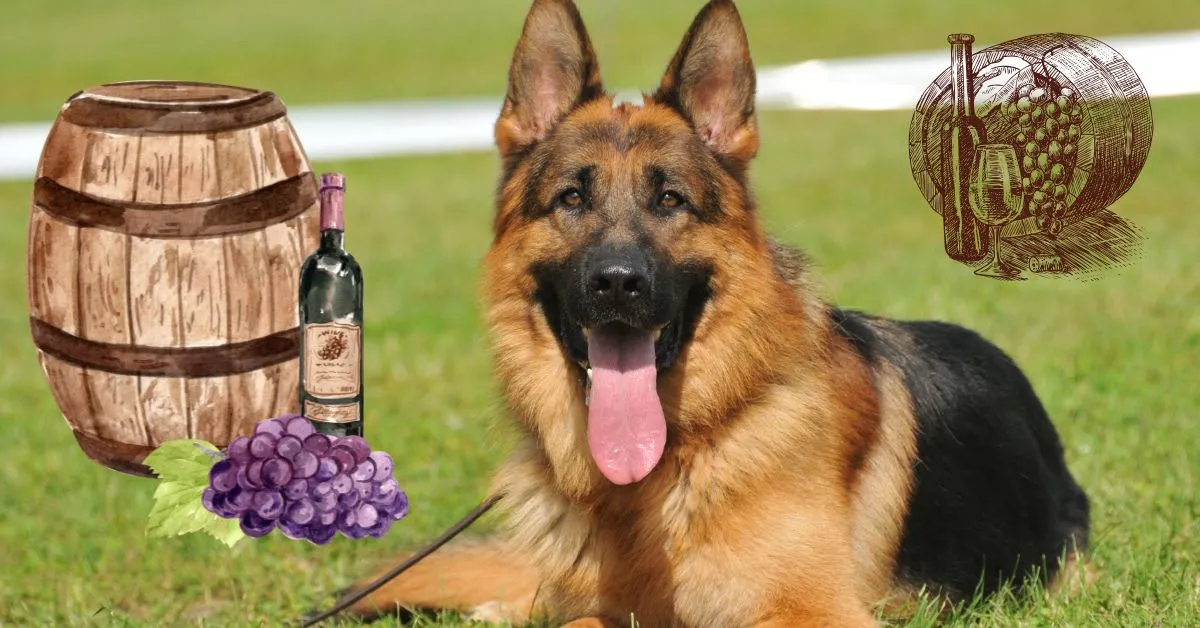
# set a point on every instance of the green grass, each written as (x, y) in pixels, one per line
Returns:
(1114, 360)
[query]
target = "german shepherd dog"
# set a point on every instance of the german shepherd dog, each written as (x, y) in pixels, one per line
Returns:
(705, 442)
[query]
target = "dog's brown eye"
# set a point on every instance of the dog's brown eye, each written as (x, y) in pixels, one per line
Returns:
(670, 200)
(571, 198)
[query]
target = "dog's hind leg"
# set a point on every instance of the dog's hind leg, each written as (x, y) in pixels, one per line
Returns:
(482, 579)
(1076, 573)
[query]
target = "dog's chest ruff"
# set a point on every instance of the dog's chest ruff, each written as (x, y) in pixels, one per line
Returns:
(649, 564)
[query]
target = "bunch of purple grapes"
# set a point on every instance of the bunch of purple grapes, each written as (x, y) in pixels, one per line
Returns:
(307, 484)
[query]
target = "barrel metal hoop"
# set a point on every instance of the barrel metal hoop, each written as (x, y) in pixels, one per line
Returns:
(189, 362)
(253, 211)
(158, 118)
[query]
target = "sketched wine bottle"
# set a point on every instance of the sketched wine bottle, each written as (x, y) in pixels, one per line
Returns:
(965, 238)
(331, 323)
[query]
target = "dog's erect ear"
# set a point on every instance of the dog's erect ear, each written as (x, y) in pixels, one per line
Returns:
(711, 82)
(553, 69)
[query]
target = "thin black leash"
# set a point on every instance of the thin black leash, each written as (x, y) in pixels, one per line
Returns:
(483, 507)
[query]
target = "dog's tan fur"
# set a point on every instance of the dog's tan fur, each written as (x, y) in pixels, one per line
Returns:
(780, 500)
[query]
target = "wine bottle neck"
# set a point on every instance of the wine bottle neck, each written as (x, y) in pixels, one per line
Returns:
(332, 239)
(961, 80)
(332, 193)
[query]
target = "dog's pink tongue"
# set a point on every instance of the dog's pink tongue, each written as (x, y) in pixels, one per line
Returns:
(626, 426)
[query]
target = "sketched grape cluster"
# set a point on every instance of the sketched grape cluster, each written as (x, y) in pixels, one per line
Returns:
(308, 485)
(1050, 119)
(333, 347)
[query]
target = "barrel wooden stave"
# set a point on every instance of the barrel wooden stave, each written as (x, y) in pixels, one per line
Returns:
(158, 170)
(197, 169)
(59, 160)
(171, 168)
(287, 247)
(157, 321)
(250, 317)
(104, 285)
(103, 302)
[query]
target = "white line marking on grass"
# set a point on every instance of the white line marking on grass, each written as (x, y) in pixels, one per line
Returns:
(1165, 63)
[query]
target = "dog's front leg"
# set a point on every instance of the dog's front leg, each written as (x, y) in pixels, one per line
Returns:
(591, 622)
(809, 622)
(853, 620)
(850, 615)
(485, 579)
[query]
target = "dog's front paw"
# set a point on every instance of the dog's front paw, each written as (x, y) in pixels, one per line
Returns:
(489, 613)
(590, 622)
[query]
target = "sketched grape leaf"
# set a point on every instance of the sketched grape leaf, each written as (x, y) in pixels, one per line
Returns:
(997, 82)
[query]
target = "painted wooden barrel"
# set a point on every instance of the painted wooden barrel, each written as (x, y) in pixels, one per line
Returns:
(168, 227)
(1117, 126)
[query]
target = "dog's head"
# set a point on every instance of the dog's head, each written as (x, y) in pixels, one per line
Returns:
(618, 230)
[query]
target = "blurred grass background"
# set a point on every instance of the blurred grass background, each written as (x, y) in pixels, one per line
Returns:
(1115, 360)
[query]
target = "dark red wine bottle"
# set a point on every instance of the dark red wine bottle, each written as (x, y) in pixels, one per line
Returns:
(331, 324)
(965, 237)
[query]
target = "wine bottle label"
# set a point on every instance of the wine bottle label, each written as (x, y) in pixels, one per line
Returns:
(329, 413)
(332, 353)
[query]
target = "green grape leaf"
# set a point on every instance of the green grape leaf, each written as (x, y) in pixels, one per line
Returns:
(227, 531)
(177, 510)
(182, 467)
(182, 461)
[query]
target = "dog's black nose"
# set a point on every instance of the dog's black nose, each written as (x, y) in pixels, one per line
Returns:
(620, 282)
(617, 282)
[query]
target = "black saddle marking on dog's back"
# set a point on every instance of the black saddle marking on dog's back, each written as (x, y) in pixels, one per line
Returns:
(992, 499)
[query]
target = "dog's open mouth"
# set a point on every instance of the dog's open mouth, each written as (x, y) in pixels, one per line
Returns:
(618, 365)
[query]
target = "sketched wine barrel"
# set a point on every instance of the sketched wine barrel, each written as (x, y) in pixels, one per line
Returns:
(168, 226)
(1116, 131)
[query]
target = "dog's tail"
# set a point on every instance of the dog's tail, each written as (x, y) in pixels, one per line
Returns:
(484, 579)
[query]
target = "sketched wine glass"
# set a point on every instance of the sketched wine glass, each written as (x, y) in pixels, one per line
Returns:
(996, 198)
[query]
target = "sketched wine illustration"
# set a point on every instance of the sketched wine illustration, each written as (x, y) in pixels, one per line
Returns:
(333, 348)
(1076, 122)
